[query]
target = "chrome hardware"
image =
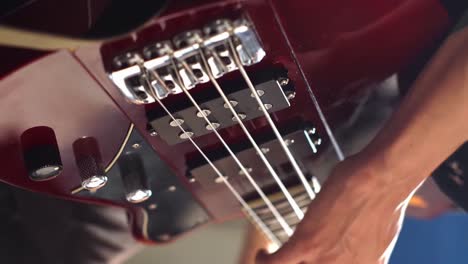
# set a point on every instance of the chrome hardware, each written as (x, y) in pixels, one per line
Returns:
(219, 57)
(176, 122)
(233, 103)
(267, 107)
(241, 116)
(220, 180)
(248, 169)
(248, 46)
(283, 81)
(190, 65)
(186, 135)
(213, 125)
(206, 112)
(162, 68)
(129, 78)
(289, 142)
(264, 150)
(259, 92)
(153, 133)
(164, 76)
(94, 182)
(138, 196)
(314, 139)
(136, 146)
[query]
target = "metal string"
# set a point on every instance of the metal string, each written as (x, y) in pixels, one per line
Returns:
(299, 213)
(267, 201)
(288, 153)
(241, 200)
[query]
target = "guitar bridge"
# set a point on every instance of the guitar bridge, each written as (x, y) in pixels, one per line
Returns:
(163, 68)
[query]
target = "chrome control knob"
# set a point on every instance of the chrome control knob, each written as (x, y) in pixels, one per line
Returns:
(89, 161)
(41, 154)
(134, 178)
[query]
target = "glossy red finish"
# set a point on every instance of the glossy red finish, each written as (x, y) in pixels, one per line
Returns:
(57, 92)
(344, 49)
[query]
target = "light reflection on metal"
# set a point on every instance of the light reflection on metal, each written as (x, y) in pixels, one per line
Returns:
(161, 68)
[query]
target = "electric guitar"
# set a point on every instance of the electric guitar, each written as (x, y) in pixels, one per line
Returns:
(190, 112)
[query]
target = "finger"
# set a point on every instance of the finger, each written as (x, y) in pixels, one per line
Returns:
(288, 254)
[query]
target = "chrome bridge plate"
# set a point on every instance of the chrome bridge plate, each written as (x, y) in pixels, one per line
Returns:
(166, 67)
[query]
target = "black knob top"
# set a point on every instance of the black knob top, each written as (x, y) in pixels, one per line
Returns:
(89, 162)
(134, 177)
(41, 153)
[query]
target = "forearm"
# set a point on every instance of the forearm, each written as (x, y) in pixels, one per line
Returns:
(358, 214)
(430, 124)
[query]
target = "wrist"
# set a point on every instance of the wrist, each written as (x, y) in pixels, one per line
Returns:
(375, 175)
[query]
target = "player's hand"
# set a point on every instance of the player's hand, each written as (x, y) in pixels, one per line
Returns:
(355, 219)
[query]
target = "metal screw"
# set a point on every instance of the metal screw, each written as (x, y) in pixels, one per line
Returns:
(249, 170)
(220, 179)
(291, 95)
(136, 146)
(242, 116)
(267, 107)
(207, 112)
(316, 185)
(186, 135)
(192, 180)
(234, 103)
(318, 142)
(289, 142)
(283, 81)
(176, 122)
(213, 125)
(153, 133)
(172, 188)
(264, 150)
(259, 92)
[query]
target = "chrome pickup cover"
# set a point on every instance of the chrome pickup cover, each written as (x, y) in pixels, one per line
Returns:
(162, 68)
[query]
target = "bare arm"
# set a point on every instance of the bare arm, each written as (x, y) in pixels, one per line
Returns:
(358, 215)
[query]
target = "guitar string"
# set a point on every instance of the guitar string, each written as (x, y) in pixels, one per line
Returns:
(299, 213)
(270, 235)
(246, 173)
(335, 144)
(278, 135)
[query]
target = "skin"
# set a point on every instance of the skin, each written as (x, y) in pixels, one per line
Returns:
(358, 215)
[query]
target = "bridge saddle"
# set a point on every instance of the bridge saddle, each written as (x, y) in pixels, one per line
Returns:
(163, 68)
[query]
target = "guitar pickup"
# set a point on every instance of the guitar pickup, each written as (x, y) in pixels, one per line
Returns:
(216, 110)
(304, 144)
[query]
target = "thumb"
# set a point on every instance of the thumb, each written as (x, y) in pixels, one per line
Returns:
(286, 255)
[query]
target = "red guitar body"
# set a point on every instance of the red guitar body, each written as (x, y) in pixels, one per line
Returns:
(342, 48)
